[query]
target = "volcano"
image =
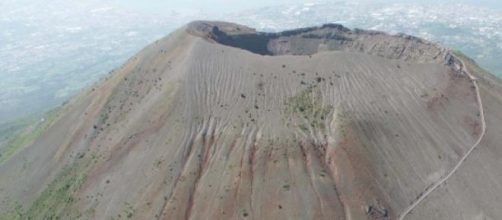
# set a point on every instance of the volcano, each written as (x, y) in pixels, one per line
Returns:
(219, 121)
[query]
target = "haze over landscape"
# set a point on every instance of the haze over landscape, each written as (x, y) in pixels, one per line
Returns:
(53, 48)
(292, 110)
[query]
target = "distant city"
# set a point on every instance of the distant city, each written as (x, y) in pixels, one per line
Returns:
(49, 52)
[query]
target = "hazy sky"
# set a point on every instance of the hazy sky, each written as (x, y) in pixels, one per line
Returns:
(225, 6)
(216, 6)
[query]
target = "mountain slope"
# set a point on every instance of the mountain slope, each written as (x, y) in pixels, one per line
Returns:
(217, 121)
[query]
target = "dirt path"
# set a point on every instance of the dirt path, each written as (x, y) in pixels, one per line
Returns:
(461, 161)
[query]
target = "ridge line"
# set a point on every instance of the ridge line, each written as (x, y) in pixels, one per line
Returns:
(462, 160)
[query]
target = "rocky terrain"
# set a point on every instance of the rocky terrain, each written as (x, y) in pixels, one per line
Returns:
(51, 49)
(218, 121)
(472, 28)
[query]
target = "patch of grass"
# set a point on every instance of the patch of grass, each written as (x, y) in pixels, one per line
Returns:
(57, 199)
(307, 104)
(9, 129)
(12, 211)
(27, 136)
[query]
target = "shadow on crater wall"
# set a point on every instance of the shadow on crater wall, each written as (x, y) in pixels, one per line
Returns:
(286, 42)
(253, 42)
(311, 40)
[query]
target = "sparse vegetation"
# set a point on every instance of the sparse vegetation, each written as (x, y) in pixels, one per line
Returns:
(286, 187)
(57, 199)
(127, 211)
(27, 136)
(307, 104)
(474, 66)
(157, 164)
(13, 210)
